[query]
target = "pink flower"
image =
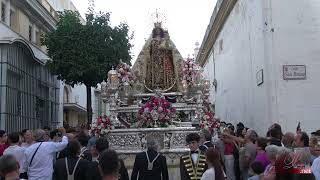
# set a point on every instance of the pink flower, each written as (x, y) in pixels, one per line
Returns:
(146, 110)
(160, 109)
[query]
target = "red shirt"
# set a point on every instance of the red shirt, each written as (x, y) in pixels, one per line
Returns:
(228, 148)
(2, 148)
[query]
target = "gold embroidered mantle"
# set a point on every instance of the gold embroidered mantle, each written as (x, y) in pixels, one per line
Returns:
(153, 73)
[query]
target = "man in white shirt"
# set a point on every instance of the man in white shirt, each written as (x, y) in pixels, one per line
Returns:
(14, 149)
(41, 167)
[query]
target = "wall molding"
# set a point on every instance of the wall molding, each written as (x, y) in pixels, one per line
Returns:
(219, 17)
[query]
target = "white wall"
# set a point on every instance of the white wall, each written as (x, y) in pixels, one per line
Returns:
(208, 72)
(238, 56)
(267, 35)
(296, 41)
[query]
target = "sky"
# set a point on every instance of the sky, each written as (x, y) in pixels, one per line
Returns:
(186, 20)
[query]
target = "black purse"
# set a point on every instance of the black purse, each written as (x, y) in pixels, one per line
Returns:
(25, 174)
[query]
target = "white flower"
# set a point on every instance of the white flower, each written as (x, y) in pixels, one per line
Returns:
(94, 125)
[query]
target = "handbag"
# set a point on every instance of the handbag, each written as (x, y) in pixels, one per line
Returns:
(25, 174)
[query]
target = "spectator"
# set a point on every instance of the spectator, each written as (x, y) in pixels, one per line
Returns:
(275, 135)
(229, 160)
(28, 139)
(256, 169)
(71, 167)
(92, 140)
(3, 141)
(214, 171)
(275, 131)
(84, 152)
(109, 165)
(274, 141)
(39, 156)
(247, 154)
(261, 157)
(47, 130)
(272, 151)
(55, 135)
(244, 132)
(316, 164)
(102, 144)
(283, 166)
(14, 149)
(287, 140)
(301, 142)
(9, 167)
(205, 140)
(314, 147)
(231, 129)
(150, 164)
(239, 129)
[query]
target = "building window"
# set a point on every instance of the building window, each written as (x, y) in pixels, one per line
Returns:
(30, 33)
(221, 45)
(38, 38)
(13, 20)
(3, 12)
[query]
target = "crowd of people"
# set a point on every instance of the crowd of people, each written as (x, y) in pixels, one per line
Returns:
(225, 153)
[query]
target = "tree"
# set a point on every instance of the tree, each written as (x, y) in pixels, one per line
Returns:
(84, 53)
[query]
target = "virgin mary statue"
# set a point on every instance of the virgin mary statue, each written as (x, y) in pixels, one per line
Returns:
(159, 62)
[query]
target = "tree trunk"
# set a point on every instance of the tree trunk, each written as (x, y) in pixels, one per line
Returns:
(89, 105)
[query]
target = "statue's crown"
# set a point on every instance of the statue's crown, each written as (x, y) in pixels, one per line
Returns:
(158, 24)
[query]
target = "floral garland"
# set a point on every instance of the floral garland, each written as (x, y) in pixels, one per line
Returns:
(158, 110)
(125, 74)
(102, 125)
(208, 121)
(189, 72)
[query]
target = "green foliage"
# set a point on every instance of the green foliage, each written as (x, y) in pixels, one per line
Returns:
(84, 53)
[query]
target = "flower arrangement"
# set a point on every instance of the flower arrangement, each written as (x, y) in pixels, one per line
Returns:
(189, 72)
(102, 125)
(209, 122)
(125, 73)
(157, 112)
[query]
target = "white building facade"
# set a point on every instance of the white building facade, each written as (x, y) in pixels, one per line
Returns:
(29, 93)
(264, 57)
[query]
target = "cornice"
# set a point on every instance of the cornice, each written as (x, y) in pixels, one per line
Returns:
(217, 20)
(39, 12)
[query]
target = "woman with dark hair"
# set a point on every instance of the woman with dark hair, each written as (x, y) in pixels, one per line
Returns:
(214, 171)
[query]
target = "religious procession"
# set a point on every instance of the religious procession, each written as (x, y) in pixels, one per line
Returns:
(84, 99)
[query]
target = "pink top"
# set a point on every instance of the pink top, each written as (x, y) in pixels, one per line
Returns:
(228, 148)
(262, 157)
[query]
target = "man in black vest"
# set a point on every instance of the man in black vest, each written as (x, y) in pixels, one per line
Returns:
(193, 164)
(150, 165)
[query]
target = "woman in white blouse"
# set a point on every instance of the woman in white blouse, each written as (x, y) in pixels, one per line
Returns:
(214, 171)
